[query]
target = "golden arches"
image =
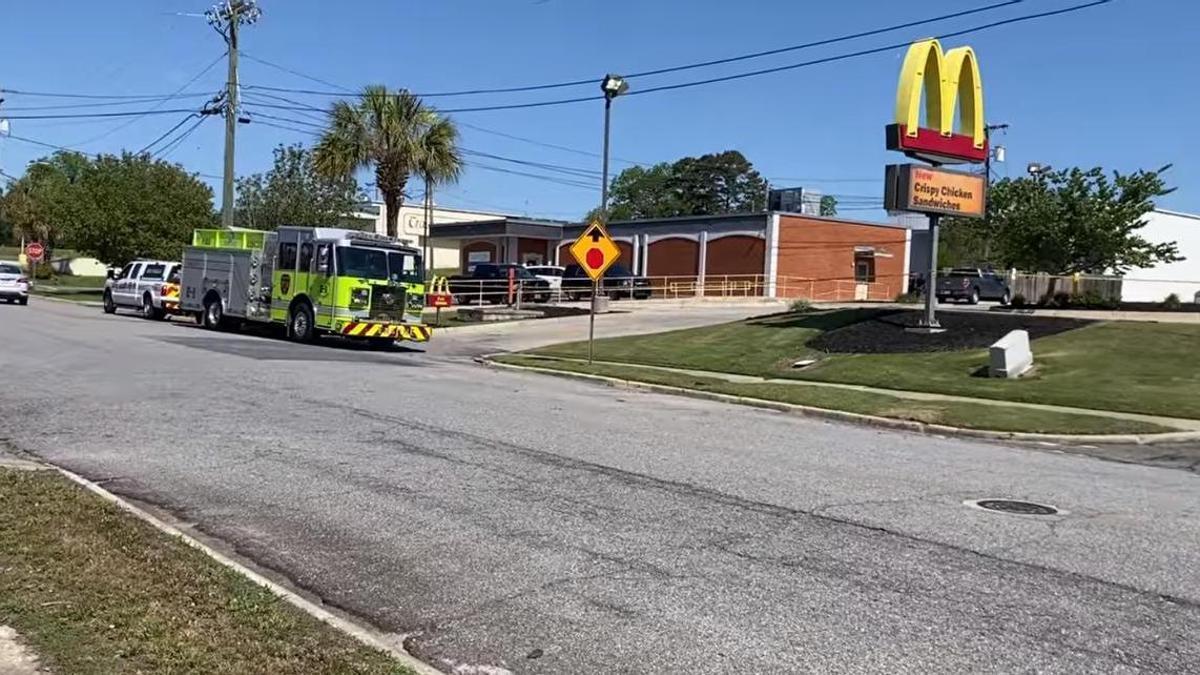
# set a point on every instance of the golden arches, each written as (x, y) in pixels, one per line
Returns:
(949, 78)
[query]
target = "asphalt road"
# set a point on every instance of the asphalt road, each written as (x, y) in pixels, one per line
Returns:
(544, 525)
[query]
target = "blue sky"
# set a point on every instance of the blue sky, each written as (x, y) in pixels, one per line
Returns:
(1113, 86)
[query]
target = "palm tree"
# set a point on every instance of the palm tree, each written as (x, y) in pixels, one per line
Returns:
(381, 130)
(439, 161)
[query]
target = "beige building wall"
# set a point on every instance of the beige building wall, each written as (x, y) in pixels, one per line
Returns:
(411, 225)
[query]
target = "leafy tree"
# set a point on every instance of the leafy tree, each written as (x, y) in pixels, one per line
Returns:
(135, 206)
(382, 130)
(439, 162)
(828, 205)
(720, 183)
(1068, 221)
(41, 203)
(293, 192)
(710, 184)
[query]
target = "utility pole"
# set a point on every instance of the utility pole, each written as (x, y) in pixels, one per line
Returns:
(987, 181)
(225, 18)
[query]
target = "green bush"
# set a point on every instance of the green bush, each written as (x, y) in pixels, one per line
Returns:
(909, 298)
(1059, 300)
(1172, 302)
(1094, 300)
(43, 272)
(802, 306)
(1018, 300)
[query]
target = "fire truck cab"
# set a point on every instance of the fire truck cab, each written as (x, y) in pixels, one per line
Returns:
(312, 280)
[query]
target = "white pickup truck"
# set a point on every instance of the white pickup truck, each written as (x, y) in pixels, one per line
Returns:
(149, 286)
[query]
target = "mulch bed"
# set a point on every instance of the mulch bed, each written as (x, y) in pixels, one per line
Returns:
(884, 333)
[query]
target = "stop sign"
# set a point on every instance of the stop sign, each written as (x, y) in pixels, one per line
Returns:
(34, 250)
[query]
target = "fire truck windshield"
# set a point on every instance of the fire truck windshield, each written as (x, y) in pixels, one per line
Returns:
(377, 264)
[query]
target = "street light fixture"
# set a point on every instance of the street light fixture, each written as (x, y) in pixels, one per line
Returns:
(613, 86)
(1037, 169)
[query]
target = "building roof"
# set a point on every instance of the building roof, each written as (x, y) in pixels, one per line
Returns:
(500, 227)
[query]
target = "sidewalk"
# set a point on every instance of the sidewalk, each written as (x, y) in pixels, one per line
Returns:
(1178, 423)
(16, 658)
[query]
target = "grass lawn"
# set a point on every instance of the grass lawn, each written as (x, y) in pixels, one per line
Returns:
(1141, 367)
(71, 282)
(966, 415)
(94, 590)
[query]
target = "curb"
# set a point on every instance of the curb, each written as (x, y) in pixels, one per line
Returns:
(859, 418)
(366, 635)
(81, 303)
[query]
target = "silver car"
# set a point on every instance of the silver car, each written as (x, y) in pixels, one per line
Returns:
(14, 285)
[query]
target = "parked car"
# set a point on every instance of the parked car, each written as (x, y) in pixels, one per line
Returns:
(617, 282)
(973, 284)
(149, 286)
(14, 285)
(489, 282)
(551, 273)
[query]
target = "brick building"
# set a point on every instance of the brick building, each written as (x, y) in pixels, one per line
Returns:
(774, 254)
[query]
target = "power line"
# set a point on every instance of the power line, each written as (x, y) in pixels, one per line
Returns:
(543, 144)
(104, 97)
(167, 149)
(203, 71)
(296, 73)
(793, 66)
(107, 104)
(867, 52)
(549, 179)
(660, 71)
(168, 132)
(278, 118)
(285, 100)
(53, 146)
(569, 170)
(132, 113)
(284, 127)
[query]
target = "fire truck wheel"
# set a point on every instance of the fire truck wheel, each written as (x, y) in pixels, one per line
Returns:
(300, 324)
(213, 313)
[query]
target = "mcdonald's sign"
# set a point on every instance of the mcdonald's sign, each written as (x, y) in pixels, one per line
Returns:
(949, 80)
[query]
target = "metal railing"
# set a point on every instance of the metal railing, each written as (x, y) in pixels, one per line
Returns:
(676, 287)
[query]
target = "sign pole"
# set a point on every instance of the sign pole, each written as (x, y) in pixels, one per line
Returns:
(931, 278)
(592, 320)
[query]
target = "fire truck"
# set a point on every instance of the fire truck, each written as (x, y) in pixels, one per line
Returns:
(311, 280)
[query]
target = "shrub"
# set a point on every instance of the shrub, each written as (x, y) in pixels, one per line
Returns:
(1018, 300)
(1093, 300)
(909, 298)
(1060, 300)
(43, 272)
(802, 306)
(1172, 302)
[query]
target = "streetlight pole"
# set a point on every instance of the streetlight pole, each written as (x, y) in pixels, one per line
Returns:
(987, 182)
(612, 86)
(225, 18)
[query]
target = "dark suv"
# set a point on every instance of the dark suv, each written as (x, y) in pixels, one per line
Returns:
(972, 284)
(617, 282)
(488, 282)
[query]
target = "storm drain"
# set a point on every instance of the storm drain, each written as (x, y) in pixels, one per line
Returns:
(1014, 507)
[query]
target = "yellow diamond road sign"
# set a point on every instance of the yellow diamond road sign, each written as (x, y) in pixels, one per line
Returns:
(595, 251)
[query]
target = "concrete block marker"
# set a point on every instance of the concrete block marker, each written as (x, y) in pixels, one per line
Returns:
(1010, 356)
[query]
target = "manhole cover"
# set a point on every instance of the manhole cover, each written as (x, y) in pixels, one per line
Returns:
(1014, 507)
